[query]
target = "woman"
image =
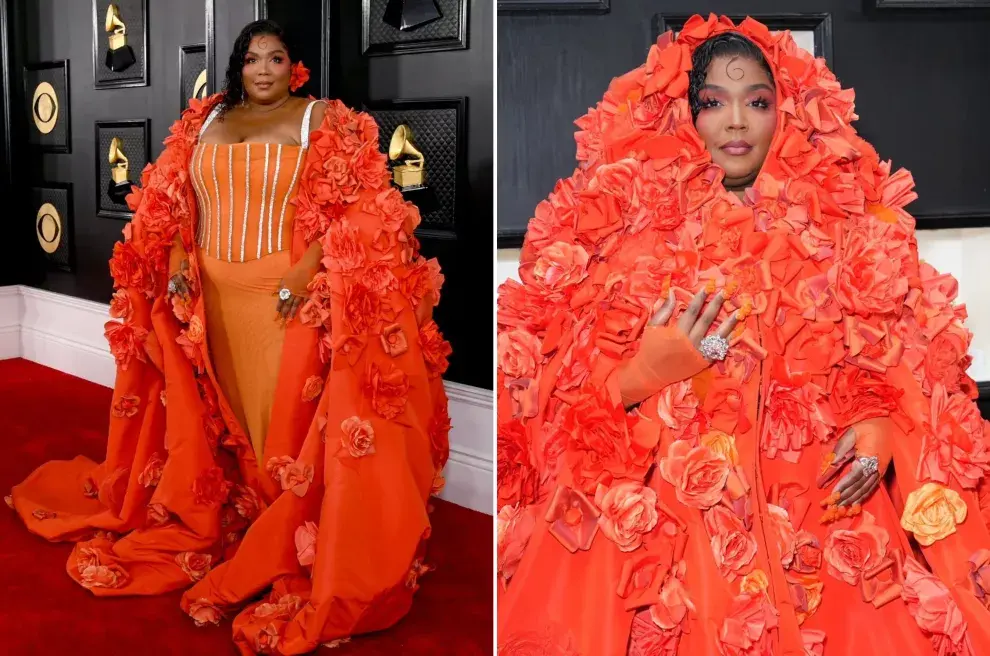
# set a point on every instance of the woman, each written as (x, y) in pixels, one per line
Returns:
(246, 455)
(722, 343)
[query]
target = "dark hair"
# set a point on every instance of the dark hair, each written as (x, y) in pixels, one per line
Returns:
(729, 44)
(233, 86)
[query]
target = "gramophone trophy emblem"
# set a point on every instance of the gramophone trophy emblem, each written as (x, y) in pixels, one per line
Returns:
(120, 56)
(119, 186)
(405, 15)
(409, 170)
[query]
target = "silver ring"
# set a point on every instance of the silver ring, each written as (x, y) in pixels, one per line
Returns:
(714, 347)
(284, 294)
(870, 464)
(172, 288)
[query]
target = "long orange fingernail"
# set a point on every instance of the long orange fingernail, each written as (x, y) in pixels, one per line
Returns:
(731, 288)
(710, 287)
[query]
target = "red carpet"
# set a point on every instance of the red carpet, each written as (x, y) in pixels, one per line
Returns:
(45, 414)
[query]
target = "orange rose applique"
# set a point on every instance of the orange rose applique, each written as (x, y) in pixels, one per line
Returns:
(152, 472)
(629, 511)
(358, 437)
(932, 512)
(306, 543)
(312, 388)
(697, 474)
(203, 612)
(854, 547)
(514, 528)
(195, 565)
(126, 406)
(297, 477)
(754, 583)
(394, 340)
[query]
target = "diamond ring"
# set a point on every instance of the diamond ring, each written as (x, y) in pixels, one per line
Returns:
(172, 288)
(714, 347)
(284, 294)
(870, 464)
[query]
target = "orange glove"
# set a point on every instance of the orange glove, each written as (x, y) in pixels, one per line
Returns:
(639, 378)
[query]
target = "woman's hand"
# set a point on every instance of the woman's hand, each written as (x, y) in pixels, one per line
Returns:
(694, 323)
(858, 485)
(296, 280)
(177, 281)
(669, 354)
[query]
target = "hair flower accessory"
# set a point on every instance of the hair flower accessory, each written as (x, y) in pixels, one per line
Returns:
(299, 77)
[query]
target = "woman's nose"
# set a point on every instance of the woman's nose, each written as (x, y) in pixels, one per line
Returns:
(738, 118)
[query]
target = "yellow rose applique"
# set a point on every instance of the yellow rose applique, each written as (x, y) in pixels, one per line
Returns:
(721, 444)
(932, 513)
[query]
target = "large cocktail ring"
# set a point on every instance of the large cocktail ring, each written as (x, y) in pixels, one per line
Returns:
(870, 464)
(172, 288)
(714, 347)
(284, 294)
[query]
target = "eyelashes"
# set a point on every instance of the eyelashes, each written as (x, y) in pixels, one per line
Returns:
(250, 60)
(758, 103)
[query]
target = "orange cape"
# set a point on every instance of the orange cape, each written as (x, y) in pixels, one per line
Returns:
(691, 525)
(337, 510)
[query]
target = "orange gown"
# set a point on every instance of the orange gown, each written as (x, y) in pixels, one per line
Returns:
(694, 523)
(280, 473)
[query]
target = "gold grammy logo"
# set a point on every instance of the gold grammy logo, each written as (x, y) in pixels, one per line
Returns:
(120, 56)
(412, 172)
(119, 186)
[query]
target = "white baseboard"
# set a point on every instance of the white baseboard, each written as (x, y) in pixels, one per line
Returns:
(66, 334)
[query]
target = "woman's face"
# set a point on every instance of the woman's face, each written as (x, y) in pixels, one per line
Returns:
(267, 69)
(737, 117)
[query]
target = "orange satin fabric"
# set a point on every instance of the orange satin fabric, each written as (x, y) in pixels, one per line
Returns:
(245, 340)
(243, 192)
(321, 534)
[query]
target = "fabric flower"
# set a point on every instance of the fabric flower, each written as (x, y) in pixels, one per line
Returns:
(342, 248)
(629, 511)
(518, 478)
(387, 388)
(732, 545)
(126, 342)
(211, 488)
(125, 406)
(954, 445)
(931, 604)
(358, 437)
(120, 306)
(783, 531)
(157, 514)
(515, 525)
(203, 612)
(312, 388)
(745, 631)
(697, 474)
(195, 565)
(754, 583)
(435, 348)
(931, 512)
(979, 575)
(795, 416)
(854, 547)
(247, 503)
(677, 406)
(152, 472)
(297, 477)
(394, 340)
(805, 593)
(560, 265)
(298, 77)
(103, 576)
(518, 353)
(305, 538)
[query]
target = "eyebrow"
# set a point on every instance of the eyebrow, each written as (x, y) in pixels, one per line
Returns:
(752, 87)
(273, 52)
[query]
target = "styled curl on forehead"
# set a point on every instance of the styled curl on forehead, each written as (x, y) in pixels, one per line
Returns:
(729, 44)
(233, 86)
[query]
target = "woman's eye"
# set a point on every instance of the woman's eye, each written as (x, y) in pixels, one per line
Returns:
(277, 59)
(250, 60)
(708, 104)
(761, 103)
